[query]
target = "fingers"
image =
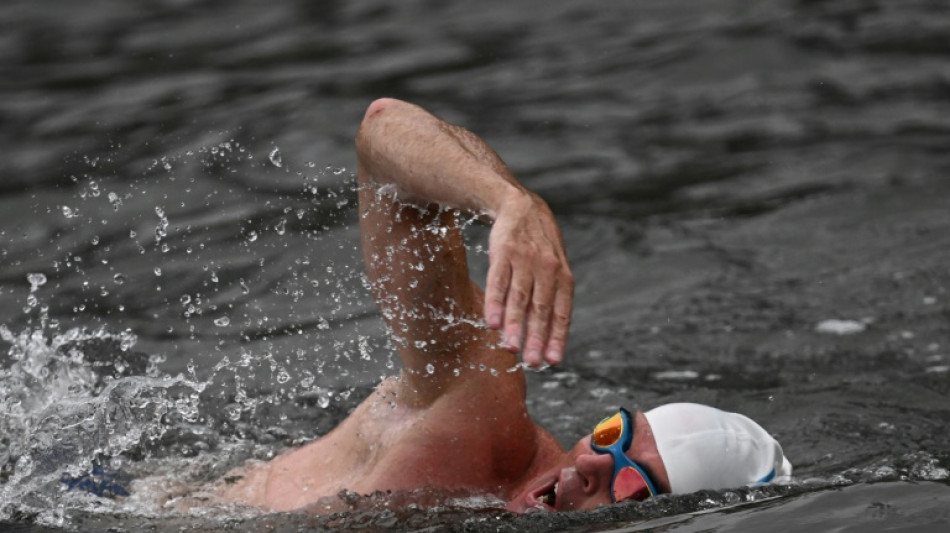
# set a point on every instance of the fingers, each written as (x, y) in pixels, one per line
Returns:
(496, 289)
(516, 303)
(539, 312)
(560, 321)
(535, 299)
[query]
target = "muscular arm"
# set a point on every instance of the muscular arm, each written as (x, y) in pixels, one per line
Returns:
(406, 151)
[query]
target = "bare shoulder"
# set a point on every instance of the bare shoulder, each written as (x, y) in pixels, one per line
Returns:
(477, 435)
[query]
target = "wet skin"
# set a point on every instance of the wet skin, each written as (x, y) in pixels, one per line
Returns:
(583, 476)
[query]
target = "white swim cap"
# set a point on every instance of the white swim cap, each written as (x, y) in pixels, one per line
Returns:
(705, 448)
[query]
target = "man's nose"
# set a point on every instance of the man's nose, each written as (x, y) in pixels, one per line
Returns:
(595, 470)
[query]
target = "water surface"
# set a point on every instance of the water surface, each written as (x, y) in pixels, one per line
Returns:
(180, 286)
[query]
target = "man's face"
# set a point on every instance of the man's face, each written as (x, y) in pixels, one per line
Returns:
(582, 480)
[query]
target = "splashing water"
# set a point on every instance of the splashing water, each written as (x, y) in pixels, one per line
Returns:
(68, 403)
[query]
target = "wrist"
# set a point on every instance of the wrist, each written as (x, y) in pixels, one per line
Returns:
(514, 199)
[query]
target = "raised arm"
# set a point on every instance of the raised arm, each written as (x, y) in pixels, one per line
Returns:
(404, 150)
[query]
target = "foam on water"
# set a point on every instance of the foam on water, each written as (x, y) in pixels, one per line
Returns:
(61, 413)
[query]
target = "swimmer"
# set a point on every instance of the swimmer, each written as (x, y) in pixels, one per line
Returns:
(455, 418)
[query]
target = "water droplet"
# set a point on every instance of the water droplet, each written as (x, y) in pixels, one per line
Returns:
(275, 158)
(244, 287)
(222, 321)
(233, 411)
(430, 368)
(185, 299)
(323, 402)
(119, 279)
(281, 226)
(252, 236)
(158, 271)
(283, 376)
(69, 212)
(115, 200)
(36, 280)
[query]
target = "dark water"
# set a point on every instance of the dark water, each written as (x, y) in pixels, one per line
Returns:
(180, 289)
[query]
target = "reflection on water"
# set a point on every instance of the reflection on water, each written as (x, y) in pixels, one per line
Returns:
(752, 197)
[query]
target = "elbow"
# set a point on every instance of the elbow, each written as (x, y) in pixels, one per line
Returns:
(379, 112)
(379, 107)
(370, 128)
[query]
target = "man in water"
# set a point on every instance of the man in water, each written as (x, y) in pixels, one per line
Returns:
(455, 417)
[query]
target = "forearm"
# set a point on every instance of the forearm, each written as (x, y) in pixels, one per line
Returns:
(431, 161)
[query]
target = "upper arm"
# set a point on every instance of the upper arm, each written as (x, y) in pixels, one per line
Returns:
(416, 264)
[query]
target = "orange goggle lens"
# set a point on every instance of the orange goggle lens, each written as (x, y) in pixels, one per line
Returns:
(608, 432)
(630, 485)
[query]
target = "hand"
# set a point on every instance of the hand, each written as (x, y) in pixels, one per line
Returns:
(530, 287)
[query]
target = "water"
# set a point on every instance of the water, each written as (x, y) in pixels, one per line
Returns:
(753, 198)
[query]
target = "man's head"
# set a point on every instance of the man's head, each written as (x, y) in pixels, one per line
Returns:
(680, 448)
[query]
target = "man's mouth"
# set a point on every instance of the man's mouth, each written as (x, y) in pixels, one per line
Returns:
(549, 497)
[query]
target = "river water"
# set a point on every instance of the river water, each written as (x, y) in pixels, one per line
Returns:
(754, 197)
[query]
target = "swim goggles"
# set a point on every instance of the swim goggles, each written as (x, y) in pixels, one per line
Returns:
(614, 435)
